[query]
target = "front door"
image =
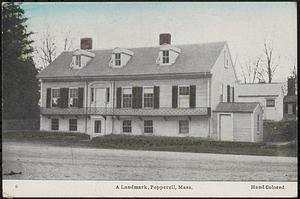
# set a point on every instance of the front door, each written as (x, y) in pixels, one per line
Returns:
(226, 127)
(100, 97)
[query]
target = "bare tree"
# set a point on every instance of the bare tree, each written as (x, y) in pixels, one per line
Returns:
(270, 64)
(47, 51)
(251, 70)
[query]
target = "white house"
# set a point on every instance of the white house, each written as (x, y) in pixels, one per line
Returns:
(269, 95)
(166, 90)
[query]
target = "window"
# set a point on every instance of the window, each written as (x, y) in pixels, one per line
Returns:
(270, 102)
(55, 97)
(148, 97)
(165, 56)
(92, 95)
(183, 126)
(257, 122)
(127, 126)
(97, 126)
(78, 60)
(73, 124)
(73, 97)
(127, 97)
(107, 95)
(290, 109)
(184, 90)
(184, 97)
(148, 126)
(118, 59)
(54, 124)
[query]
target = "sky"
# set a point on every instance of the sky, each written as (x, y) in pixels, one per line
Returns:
(244, 25)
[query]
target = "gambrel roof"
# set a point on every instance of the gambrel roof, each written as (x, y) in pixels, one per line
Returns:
(193, 58)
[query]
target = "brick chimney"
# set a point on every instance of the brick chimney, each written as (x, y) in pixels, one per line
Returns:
(291, 86)
(86, 43)
(164, 38)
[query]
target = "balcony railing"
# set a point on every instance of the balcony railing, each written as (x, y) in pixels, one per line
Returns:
(163, 111)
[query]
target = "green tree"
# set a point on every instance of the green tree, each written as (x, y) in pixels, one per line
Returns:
(20, 85)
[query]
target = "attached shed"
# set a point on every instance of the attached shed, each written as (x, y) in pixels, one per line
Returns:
(238, 121)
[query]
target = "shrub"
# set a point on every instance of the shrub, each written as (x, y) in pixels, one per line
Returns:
(280, 131)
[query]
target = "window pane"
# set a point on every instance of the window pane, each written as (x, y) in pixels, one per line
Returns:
(148, 100)
(127, 126)
(97, 126)
(148, 126)
(54, 124)
(270, 103)
(185, 90)
(55, 97)
(73, 124)
(183, 126)
(73, 97)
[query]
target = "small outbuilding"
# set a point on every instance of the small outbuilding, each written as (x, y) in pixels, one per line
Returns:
(238, 121)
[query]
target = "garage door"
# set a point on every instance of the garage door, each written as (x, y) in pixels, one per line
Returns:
(226, 127)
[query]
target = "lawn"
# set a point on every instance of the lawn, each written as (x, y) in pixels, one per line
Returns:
(155, 143)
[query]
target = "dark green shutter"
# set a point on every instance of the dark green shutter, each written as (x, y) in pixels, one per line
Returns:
(228, 93)
(137, 97)
(64, 97)
(232, 94)
(80, 97)
(119, 97)
(192, 96)
(156, 96)
(286, 108)
(174, 96)
(48, 98)
(294, 108)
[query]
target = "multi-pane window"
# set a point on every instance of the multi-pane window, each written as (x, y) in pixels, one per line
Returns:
(54, 124)
(78, 60)
(165, 56)
(183, 126)
(257, 123)
(148, 126)
(148, 97)
(73, 97)
(184, 92)
(270, 102)
(127, 97)
(55, 97)
(127, 126)
(290, 109)
(97, 126)
(118, 59)
(73, 124)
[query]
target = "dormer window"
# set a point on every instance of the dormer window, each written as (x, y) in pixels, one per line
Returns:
(78, 60)
(165, 56)
(118, 59)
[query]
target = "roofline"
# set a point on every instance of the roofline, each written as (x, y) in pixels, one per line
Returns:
(242, 84)
(235, 111)
(133, 76)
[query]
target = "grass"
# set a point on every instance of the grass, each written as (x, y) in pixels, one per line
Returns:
(153, 143)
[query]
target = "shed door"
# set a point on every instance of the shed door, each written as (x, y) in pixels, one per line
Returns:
(226, 127)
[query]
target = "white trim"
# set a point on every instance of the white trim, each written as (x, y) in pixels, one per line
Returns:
(69, 97)
(252, 127)
(208, 93)
(143, 97)
(51, 95)
(126, 87)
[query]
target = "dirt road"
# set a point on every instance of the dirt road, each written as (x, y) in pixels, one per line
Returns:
(41, 161)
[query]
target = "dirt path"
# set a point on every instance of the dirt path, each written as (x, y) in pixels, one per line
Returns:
(40, 161)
